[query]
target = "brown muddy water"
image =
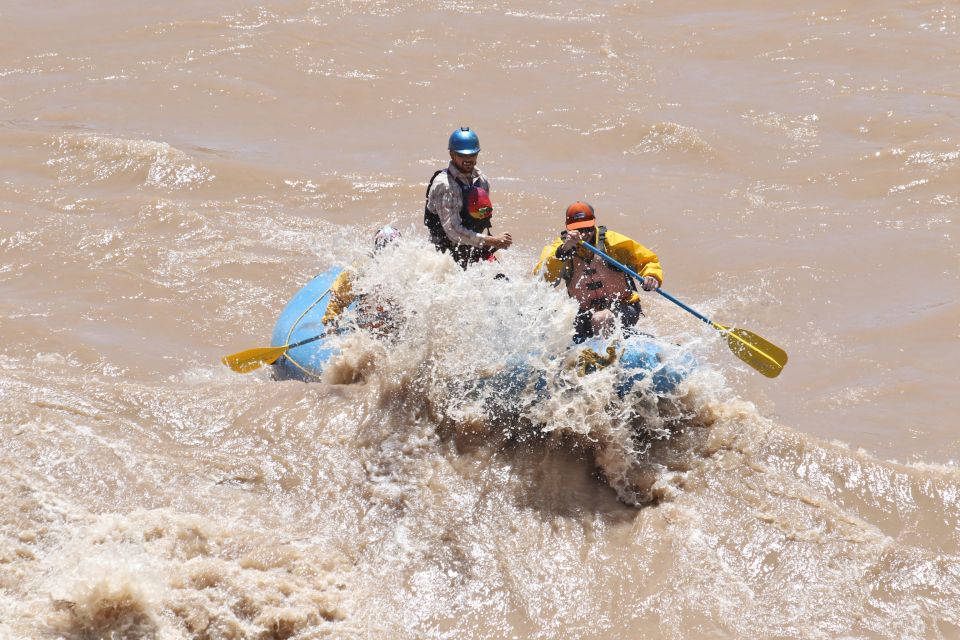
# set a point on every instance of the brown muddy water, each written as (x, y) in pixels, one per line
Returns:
(171, 174)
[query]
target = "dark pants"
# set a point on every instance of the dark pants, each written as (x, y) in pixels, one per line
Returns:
(463, 254)
(629, 314)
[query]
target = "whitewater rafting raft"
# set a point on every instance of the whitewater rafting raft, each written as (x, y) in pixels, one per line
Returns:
(639, 357)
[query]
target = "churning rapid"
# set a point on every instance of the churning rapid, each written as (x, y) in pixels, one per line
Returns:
(170, 176)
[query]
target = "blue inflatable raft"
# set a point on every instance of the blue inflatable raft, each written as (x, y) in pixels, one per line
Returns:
(639, 357)
(300, 320)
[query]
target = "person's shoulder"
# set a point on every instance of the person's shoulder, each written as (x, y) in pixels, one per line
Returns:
(344, 280)
(482, 181)
(556, 242)
(441, 179)
(615, 237)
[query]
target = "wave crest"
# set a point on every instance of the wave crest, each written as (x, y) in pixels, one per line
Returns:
(90, 159)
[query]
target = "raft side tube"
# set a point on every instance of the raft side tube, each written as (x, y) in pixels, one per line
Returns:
(300, 319)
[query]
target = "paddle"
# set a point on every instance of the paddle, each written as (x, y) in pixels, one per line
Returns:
(252, 359)
(764, 356)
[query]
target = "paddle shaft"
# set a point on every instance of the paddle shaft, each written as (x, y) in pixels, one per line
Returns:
(634, 274)
(303, 342)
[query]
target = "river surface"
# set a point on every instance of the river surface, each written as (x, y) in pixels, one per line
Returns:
(172, 173)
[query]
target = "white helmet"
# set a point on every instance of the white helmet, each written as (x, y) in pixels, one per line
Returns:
(384, 236)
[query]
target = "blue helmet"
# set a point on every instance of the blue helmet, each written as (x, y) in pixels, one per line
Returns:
(464, 141)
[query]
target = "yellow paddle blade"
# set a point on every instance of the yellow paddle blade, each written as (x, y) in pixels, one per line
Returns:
(247, 361)
(764, 356)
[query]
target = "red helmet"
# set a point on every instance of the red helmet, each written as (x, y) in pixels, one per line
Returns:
(478, 204)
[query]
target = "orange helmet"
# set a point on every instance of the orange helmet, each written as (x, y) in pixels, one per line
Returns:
(580, 216)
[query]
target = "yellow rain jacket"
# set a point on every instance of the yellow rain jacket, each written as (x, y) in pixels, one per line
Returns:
(341, 295)
(618, 246)
(371, 314)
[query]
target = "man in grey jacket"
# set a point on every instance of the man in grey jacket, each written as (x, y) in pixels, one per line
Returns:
(454, 227)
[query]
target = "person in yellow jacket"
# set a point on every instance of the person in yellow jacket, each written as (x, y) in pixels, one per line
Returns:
(342, 294)
(602, 290)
